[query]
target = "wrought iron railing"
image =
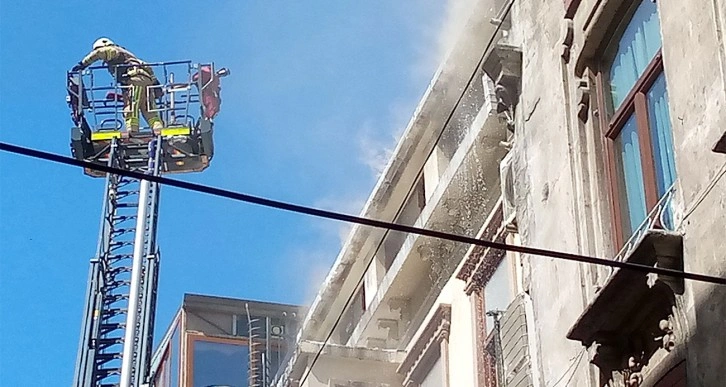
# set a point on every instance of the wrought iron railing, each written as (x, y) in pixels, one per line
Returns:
(661, 216)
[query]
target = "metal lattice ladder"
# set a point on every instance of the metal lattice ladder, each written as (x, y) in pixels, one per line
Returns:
(256, 357)
(116, 335)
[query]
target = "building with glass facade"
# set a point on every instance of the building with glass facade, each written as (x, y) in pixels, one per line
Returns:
(217, 341)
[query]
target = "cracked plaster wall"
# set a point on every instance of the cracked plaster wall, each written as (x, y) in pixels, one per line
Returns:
(562, 207)
(543, 189)
(696, 80)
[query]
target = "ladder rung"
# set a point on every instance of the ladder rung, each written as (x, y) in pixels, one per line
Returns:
(137, 161)
(119, 244)
(106, 357)
(136, 145)
(110, 340)
(123, 218)
(111, 299)
(122, 230)
(106, 328)
(118, 270)
(108, 313)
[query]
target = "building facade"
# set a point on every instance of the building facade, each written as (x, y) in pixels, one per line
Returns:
(218, 341)
(593, 127)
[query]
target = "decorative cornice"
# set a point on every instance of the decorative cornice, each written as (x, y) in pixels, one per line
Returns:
(473, 263)
(427, 348)
(483, 366)
(632, 315)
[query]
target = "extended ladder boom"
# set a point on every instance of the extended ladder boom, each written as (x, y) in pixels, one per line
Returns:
(118, 320)
(116, 336)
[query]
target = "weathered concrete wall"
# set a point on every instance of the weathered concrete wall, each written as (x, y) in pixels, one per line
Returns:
(561, 189)
(329, 369)
(544, 189)
(695, 67)
(461, 337)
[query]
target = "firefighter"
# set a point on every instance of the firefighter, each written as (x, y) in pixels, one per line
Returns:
(134, 76)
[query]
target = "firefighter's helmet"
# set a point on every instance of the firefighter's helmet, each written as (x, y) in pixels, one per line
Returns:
(103, 42)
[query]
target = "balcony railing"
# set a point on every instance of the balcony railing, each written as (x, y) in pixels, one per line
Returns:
(661, 216)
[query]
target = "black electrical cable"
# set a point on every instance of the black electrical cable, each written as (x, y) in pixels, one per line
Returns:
(408, 194)
(388, 226)
(356, 219)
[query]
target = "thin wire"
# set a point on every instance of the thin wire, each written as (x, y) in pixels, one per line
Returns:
(408, 194)
(574, 364)
(359, 220)
(704, 193)
(355, 219)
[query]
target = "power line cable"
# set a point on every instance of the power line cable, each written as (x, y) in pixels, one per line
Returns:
(388, 226)
(359, 220)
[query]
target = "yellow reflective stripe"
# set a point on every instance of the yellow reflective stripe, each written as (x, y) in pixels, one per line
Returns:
(135, 102)
(154, 120)
(100, 136)
(175, 131)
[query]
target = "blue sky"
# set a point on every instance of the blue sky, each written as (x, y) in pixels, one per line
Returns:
(319, 91)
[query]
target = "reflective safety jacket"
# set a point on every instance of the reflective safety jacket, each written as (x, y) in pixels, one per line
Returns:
(121, 63)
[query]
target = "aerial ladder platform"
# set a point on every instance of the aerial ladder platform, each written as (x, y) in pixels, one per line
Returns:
(116, 340)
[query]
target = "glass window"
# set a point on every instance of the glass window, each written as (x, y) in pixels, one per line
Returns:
(259, 326)
(175, 347)
(643, 166)
(630, 171)
(499, 290)
(636, 48)
(162, 378)
(435, 377)
(273, 362)
(661, 137)
(223, 364)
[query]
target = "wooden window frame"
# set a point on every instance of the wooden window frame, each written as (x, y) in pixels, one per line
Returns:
(635, 104)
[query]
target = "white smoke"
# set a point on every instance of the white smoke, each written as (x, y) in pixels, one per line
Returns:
(455, 18)
(438, 37)
(377, 137)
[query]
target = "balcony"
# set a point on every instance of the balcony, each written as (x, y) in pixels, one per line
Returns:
(460, 203)
(632, 307)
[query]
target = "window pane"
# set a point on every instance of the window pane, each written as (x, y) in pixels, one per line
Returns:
(499, 290)
(435, 376)
(162, 374)
(630, 171)
(175, 347)
(220, 364)
(636, 48)
(660, 135)
(273, 362)
(661, 138)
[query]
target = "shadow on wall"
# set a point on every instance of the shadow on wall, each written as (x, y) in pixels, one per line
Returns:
(707, 345)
